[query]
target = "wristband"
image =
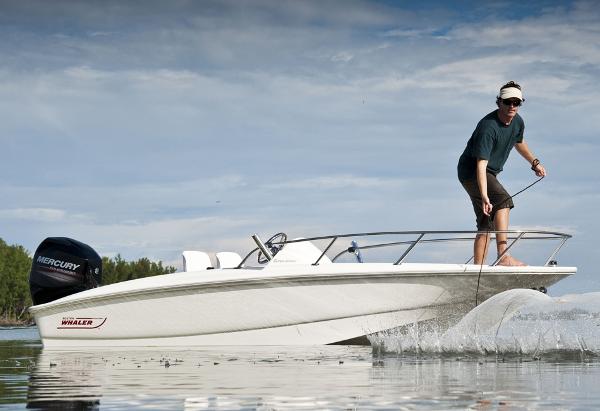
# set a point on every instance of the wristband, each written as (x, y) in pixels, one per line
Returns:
(534, 164)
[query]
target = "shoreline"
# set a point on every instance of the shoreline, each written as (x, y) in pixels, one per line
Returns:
(4, 322)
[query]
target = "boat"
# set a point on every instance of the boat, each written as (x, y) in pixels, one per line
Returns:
(302, 291)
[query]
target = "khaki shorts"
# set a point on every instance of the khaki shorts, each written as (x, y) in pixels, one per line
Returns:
(498, 197)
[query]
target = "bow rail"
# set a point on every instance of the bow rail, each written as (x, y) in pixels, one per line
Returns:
(420, 237)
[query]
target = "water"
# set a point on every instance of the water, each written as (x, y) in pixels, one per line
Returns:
(494, 359)
(515, 322)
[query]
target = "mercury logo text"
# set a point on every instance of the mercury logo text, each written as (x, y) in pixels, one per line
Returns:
(58, 263)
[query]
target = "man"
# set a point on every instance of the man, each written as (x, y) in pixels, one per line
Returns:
(486, 153)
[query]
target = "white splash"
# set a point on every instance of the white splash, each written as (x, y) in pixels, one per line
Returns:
(513, 322)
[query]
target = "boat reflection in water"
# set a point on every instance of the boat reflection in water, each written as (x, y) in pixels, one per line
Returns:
(323, 377)
(239, 378)
(64, 382)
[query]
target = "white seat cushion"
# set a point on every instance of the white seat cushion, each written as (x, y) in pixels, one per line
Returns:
(227, 259)
(196, 261)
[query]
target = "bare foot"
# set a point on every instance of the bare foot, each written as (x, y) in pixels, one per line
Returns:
(510, 261)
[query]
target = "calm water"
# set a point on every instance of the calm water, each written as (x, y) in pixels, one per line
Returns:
(524, 369)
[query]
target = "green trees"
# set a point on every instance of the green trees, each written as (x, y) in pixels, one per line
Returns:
(116, 269)
(15, 264)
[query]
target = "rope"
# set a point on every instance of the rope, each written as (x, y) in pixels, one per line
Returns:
(487, 235)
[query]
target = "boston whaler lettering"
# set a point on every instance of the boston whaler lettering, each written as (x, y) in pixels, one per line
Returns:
(319, 290)
(79, 323)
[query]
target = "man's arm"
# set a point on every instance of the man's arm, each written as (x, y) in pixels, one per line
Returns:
(482, 183)
(523, 149)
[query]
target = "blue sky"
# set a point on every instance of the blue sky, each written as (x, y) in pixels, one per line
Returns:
(146, 128)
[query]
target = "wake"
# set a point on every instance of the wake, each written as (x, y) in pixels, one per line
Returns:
(515, 322)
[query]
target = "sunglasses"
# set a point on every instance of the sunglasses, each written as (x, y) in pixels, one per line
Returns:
(514, 103)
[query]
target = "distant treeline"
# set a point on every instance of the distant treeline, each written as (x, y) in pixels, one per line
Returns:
(115, 270)
(15, 264)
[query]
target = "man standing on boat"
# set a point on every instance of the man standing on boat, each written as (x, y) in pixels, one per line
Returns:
(486, 153)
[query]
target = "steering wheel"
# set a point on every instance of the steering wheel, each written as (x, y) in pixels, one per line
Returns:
(273, 247)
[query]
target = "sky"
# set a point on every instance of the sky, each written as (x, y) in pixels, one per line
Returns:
(145, 128)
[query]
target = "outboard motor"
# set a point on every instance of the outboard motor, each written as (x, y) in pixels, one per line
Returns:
(62, 266)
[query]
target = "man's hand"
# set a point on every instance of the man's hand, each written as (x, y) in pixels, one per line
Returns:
(486, 206)
(536, 166)
(539, 170)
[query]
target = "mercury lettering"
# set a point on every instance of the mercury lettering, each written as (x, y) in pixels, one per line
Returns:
(58, 263)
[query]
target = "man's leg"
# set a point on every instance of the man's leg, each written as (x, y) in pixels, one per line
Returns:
(482, 239)
(501, 224)
(480, 248)
(501, 218)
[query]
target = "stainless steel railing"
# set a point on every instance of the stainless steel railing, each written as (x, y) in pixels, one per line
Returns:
(421, 237)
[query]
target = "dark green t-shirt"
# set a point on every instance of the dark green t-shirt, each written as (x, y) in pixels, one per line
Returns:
(492, 140)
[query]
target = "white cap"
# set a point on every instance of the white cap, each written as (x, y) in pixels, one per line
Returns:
(510, 92)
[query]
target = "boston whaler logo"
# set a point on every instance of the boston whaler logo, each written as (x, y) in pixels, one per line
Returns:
(81, 322)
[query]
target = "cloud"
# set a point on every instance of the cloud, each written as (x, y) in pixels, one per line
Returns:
(33, 214)
(409, 33)
(185, 124)
(343, 57)
(336, 182)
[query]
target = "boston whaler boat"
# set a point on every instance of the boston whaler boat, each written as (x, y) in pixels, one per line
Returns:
(284, 292)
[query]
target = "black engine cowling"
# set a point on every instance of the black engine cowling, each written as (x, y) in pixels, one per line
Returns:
(62, 266)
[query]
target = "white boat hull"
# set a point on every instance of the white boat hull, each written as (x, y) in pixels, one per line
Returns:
(281, 305)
